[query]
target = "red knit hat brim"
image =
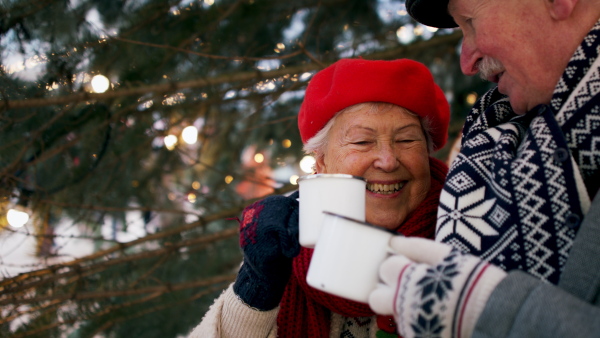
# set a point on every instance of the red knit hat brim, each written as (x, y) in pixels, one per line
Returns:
(347, 82)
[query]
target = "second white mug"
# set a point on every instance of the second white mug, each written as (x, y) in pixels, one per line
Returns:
(347, 257)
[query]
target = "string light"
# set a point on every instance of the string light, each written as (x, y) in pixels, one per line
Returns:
(170, 141)
(286, 143)
(418, 30)
(471, 98)
(190, 135)
(259, 158)
(307, 163)
(294, 179)
(228, 179)
(17, 218)
(100, 83)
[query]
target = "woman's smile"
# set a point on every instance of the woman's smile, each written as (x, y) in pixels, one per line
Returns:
(385, 188)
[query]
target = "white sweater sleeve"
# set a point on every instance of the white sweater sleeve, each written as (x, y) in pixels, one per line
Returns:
(230, 317)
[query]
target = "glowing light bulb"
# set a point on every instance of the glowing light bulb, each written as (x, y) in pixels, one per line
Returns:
(259, 158)
(471, 98)
(294, 179)
(170, 141)
(100, 83)
(17, 218)
(307, 163)
(190, 134)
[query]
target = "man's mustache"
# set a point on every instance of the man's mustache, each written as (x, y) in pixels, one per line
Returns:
(488, 67)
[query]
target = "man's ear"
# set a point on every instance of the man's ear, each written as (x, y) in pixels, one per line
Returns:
(561, 9)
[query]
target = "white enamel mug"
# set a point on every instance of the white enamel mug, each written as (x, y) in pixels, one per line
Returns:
(338, 193)
(347, 257)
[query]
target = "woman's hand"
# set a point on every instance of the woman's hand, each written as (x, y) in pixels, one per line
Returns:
(432, 289)
(269, 239)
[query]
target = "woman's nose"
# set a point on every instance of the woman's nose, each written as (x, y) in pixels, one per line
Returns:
(386, 158)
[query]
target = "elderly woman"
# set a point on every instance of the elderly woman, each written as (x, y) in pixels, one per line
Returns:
(376, 119)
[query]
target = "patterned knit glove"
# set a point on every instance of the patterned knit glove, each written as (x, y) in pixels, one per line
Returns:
(432, 289)
(269, 240)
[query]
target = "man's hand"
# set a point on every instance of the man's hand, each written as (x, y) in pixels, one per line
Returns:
(432, 289)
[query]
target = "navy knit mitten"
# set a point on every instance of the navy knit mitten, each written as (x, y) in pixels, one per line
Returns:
(269, 239)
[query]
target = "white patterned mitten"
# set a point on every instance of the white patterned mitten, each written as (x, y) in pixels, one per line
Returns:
(433, 289)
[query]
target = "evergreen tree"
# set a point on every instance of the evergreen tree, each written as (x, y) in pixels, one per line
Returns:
(78, 161)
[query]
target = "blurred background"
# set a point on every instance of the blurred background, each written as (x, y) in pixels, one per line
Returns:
(133, 133)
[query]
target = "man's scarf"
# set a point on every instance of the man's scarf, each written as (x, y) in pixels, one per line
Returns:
(518, 190)
(306, 312)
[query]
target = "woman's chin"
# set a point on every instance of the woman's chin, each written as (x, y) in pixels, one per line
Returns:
(386, 221)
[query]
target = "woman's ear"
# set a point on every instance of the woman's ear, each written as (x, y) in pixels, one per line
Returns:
(561, 9)
(320, 163)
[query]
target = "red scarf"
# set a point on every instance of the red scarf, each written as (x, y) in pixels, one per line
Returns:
(306, 312)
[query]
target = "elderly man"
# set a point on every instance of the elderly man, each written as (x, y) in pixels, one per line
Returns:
(519, 194)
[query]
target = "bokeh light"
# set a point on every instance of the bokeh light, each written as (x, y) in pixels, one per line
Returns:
(16, 218)
(190, 134)
(294, 179)
(471, 98)
(100, 83)
(259, 158)
(307, 163)
(170, 141)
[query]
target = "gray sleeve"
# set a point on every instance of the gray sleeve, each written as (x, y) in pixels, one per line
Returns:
(523, 306)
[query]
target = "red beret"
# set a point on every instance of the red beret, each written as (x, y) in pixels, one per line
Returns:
(347, 82)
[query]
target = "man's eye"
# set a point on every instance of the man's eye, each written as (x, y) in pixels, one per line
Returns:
(469, 22)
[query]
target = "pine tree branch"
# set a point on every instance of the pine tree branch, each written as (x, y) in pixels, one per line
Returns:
(30, 310)
(117, 209)
(156, 88)
(157, 308)
(209, 56)
(106, 311)
(11, 293)
(89, 295)
(32, 279)
(399, 52)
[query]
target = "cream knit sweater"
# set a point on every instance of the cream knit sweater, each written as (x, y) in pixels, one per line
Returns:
(229, 317)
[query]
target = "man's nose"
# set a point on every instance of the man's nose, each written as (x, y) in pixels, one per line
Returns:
(469, 57)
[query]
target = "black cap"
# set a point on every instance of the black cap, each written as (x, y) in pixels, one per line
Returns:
(432, 13)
